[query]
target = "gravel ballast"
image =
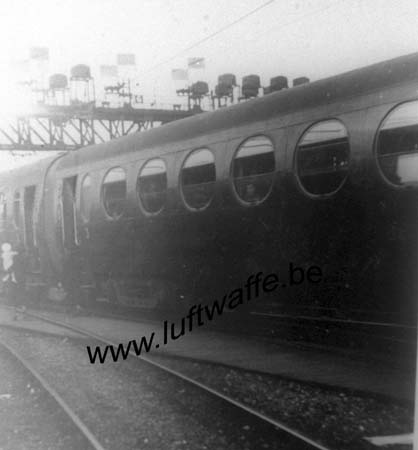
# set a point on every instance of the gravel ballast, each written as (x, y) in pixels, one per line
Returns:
(30, 419)
(336, 417)
(130, 405)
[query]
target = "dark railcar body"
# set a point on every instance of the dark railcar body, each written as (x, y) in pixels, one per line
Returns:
(363, 235)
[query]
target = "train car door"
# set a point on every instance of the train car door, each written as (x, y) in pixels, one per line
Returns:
(69, 222)
(28, 210)
(3, 212)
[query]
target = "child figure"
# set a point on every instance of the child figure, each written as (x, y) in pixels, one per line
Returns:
(7, 256)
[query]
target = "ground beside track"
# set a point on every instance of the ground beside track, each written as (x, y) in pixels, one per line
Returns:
(277, 358)
(131, 405)
(29, 418)
(339, 418)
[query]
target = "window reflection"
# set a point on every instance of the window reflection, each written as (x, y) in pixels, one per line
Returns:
(152, 185)
(397, 144)
(198, 178)
(322, 157)
(114, 192)
(253, 169)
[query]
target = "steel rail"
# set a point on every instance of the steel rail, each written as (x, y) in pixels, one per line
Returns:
(349, 322)
(58, 399)
(339, 321)
(280, 425)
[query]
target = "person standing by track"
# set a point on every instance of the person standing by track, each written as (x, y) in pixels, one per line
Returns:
(12, 273)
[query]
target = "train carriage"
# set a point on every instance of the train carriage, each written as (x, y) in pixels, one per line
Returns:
(325, 173)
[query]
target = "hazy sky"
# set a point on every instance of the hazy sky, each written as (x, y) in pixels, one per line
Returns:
(291, 37)
(316, 38)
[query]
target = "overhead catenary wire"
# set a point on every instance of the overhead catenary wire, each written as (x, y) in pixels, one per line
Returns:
(285, 24)
(219, 31)
(206, 38)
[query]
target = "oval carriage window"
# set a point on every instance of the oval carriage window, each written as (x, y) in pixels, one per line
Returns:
(253, 169)
(152, 185)
(86, 199)
(322, 157)
(114, 192)
(397, 145)
(198, 177)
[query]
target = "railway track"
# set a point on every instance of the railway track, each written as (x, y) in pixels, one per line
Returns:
(91, 440)
(289, 437)
(300, 429)
(319, 316)
(298, 440)
(378, 340)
